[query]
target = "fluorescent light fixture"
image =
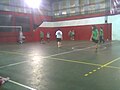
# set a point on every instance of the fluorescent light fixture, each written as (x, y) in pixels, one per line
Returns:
(33, 3)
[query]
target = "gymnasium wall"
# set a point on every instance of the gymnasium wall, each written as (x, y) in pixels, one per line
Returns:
(81, 16)
(25, 20)
(82, 27)
(113, 22)
(82, 32)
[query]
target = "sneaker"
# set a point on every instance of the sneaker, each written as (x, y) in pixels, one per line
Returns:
(7, 78)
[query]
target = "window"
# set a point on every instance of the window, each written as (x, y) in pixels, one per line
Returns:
(64, 12)
(6, 8)
(6, 20)
(18, 3)
(55, 6)
(102, 5)
(11, 2)
(82, 10)
(82, 2)
(4, 1)
(72, 10)
(23, 21)
(27, 10)
(44, 12)
(56, 13)
(63, 4)
(92, 1)
(49, 13)
(92, 8)
(72, 3)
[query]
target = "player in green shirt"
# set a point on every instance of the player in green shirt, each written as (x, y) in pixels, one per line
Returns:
(41, 37)
(101, 35)
(94, 36)
(71, 34)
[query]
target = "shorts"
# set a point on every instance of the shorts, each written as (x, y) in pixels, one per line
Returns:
(58, 39)
(94, 40)
(101, 37)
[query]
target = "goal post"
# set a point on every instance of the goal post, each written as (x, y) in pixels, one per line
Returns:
(10, 33)
(10, 27)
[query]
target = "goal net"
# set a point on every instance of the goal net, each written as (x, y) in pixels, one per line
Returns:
(10, 33)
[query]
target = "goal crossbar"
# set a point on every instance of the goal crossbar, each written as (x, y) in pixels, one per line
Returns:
(11, 27)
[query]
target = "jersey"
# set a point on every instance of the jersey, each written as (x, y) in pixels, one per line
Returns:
(95, 34)
(58, 34)
(41, 34)
(48, 35)
(101, 32)
(72, 33)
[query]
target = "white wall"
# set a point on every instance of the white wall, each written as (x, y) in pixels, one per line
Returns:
(115, 20)
(78, 22)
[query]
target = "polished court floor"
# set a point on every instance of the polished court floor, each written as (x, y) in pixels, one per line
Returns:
(74, 66)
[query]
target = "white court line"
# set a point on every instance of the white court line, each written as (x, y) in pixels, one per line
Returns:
(13, 64)
(103, 48)
(19, 84)
(42, 57)
(79, 44)
(76, 45)
(27, 61)
(49, 56)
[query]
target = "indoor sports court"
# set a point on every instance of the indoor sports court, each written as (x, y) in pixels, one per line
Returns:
(32, 57)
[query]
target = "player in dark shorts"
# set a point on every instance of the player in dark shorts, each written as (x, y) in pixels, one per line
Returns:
(94, 36)
(94, 40)
(59, 38)
(101, 35)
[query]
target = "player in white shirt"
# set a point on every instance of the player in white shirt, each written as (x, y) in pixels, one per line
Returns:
(59, 37)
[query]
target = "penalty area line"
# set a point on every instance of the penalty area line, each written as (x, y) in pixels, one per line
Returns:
(22, 85)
